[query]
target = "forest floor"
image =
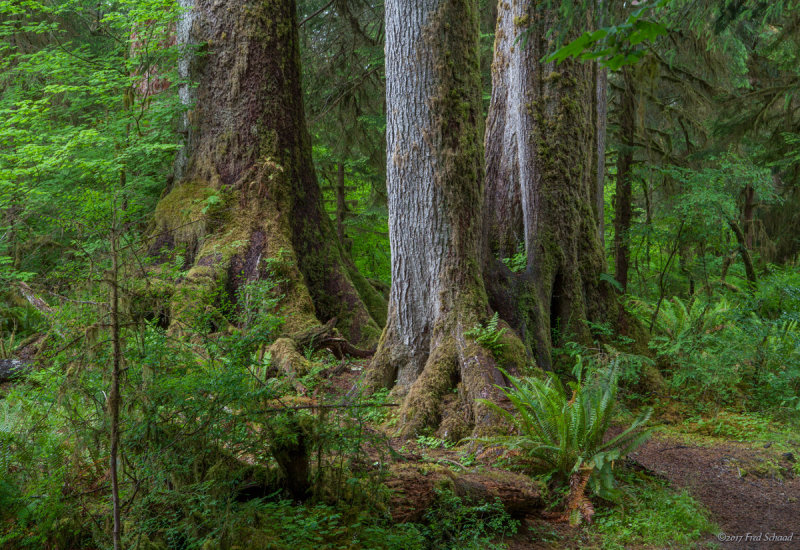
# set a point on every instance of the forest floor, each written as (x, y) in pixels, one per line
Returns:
(751, 488)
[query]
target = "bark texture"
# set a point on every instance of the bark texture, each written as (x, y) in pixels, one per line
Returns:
(247, 190)
(623, 207)
(434, 181)
(602, 116)
(509, 150)
(548, 115)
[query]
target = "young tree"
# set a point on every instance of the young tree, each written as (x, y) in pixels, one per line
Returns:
(434, 183)
(247, 191)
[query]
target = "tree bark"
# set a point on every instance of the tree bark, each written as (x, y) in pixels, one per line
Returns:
(602, 117)
(435, 194)
(341, 203)
(547, 114)
(508, 147)
(747, 260)
(623, 211)
(247, 190)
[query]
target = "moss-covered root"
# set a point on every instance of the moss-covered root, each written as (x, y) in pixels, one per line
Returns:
(390, 354)
(457, 362)
(288, 360)
(422, 406)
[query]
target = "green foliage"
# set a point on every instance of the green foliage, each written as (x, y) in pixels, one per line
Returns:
(742, 350)
(709, 195)
(518, 261)
(563, 434)
(433, 442)
(653, 515)
(616, 46)
(488, 335)
(82, 128)
(453, 524)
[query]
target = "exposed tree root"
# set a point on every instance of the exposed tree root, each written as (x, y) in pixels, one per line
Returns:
(443, 393)
(286, 353)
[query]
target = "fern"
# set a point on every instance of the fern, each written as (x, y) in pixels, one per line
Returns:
(488, 335)
(565, 434)
(518, 261)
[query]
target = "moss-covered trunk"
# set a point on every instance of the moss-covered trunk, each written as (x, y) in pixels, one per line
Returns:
(434, 182)
(623, 201)
(247, 191)
(550, 110)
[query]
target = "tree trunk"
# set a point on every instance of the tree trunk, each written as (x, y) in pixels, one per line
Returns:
(341, 204)
(434, 183)
(508, 147)
(247, 190)
(748, 219)
(747, 260)
(623, 211)
(548, 115)
(602, 117)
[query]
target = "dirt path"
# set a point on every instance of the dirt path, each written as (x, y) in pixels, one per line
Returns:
(749, 491)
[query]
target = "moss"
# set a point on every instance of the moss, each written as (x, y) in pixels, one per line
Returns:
(286, 358)
(422, 407)
(522, 21)
(181, 211)
(512, 355)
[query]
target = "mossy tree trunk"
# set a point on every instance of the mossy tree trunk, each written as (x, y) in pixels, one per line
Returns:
(623, 201)
(542, 139)
(434, 183)
(246, 188)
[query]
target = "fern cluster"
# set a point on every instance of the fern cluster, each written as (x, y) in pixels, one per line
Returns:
(563, 434)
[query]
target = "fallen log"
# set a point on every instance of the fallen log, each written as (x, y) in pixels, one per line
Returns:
(415, 490)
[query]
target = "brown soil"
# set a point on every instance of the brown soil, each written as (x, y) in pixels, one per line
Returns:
(748, 490)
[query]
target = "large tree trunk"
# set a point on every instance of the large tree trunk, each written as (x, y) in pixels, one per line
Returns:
(508, 146)
(547, 115)
(247, 191)
(434, 181)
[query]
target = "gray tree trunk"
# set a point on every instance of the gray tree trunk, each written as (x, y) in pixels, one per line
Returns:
(434, 183)
(509, 149)
(543, 138)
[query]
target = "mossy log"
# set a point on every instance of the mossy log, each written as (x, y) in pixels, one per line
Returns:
(415, 490)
